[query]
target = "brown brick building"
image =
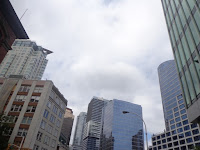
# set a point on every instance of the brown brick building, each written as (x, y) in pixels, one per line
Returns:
(10, 28)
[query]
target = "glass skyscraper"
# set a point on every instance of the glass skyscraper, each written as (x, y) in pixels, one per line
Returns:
(183, 23)
(121, 131)
(92, 129)
(78, 134)
(179, 133)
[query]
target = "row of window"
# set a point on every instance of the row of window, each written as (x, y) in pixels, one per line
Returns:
(21, 98)
(54, 109)
(48, 128)
(25, 88)
(46, 139)
(18, 108)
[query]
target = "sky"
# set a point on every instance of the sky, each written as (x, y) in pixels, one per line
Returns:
(103, 48)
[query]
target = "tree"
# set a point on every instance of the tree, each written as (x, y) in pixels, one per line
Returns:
(197, 148)
(4, 130)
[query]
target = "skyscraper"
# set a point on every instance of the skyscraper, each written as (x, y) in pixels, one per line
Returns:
(121, 131)
(92, 130)
(26, 58)
(179, 133)
(67, 127)
(78, 134)
(183, 23)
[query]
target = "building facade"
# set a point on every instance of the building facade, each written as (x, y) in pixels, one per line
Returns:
(79, 129)
(67, 127)
(182, 18)
(92, 130)
(179, 133)
(121, 131)
(36, 109)
(10, 28)
(26, 58)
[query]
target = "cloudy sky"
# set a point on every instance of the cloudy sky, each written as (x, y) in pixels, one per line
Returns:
(104, 48)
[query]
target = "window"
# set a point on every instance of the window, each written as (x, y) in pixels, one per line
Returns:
(49, 129)
(55, 133)
(53, 143)
(186, 128)
(12, 119)
(172, 127)
(46, 113)
(176, 114)
(181, 135)
(46, 140)
(26, 120)
(55, 109)
(31, 109)
(52, 118)
(22, 132)
(39, 136)
(185, 122)
(175, 109)
(189, 140)
(173, 132)
(35, 98)
(194, 125)
(178, 124)
(178, 119)
(20, 98)
(184, 117)
(58, 123)
(38, 89)
(180, 130)
(43, 124)
(16, 108)
(187, 133)
(60, 115)
(172, 121)
(24, 89)
(181, 106)
(183, 111)
(36, 147)
(49, 104)
(195, 131)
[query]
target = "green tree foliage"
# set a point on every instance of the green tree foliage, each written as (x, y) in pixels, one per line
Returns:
(4, 129)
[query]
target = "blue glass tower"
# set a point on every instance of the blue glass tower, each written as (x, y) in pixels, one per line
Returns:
(121, 131)
(179, 134)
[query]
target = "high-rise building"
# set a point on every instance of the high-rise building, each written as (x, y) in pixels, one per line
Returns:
(36, 109)
(183, 23)
(179, 133)
(10, 28)
(92, 130)
(26, 58)
(78, 134)
(67, 127)
(121, 131)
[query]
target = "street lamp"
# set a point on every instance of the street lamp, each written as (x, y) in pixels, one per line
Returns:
(126, 112)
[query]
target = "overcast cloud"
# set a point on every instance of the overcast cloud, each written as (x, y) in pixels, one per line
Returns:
(104, 48)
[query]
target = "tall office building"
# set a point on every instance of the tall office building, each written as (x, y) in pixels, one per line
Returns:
(78, 134)
(183, 23)
(26, 58)
(35, 109)
(179, 133)
(67, 127)
(92, 130)
(121, 131)
(10, 28)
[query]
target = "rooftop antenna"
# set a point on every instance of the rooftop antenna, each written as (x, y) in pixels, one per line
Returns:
(23, 14)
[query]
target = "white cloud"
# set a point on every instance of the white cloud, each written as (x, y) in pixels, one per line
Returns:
(102, 48)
